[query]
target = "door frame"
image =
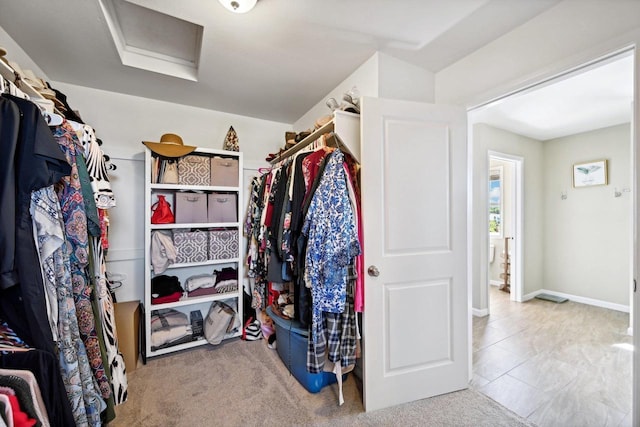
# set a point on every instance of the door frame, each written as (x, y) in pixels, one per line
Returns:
(517, 211)
(634, 302)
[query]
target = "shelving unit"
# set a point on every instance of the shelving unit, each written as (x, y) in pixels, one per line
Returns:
(8, 73)
(184, 270)
(506, 274)
(345, 124)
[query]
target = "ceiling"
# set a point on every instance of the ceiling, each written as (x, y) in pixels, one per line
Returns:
(273, 63)
(592, 98)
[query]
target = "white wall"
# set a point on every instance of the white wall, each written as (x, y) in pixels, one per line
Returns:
(565, 36)
(123, 122)
(587, 246)
(487, 138)
(365, 78)
(381, 76)
(579, 246)
(398, 79)
(15, 53)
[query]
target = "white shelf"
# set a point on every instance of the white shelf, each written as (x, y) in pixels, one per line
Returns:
(345, 125)
(178, 347)
(187, 345)
(208, 262)
(184, 270)
(194, 225)
(8, 73)
(178, 187)
(195, 300)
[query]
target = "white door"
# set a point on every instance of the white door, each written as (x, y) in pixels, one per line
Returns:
(414, 202)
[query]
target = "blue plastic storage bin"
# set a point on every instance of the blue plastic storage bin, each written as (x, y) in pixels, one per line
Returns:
(291, 344)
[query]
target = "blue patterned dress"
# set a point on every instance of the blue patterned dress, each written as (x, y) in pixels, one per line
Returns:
(332, 242)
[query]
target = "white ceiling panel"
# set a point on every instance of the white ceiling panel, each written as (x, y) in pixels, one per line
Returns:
(276, 61)
(590, 99)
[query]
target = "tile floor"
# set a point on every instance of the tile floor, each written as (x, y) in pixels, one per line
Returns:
(558, 365)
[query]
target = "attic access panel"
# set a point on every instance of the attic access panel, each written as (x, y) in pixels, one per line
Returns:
(154, 41)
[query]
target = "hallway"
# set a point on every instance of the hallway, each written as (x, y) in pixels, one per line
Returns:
(555, 364)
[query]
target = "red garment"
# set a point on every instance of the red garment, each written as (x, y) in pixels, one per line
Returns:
(167, 298)
(20, 418)
(268, 201)
(104, 228)
(310, 166)
(358, 294)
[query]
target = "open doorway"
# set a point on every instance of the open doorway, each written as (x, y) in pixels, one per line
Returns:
(565, 247)
(553, 149)
(505, 224)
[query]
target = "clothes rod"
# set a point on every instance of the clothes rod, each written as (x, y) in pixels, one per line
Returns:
(328, 127)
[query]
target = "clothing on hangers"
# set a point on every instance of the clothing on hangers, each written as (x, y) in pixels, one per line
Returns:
(314, 188)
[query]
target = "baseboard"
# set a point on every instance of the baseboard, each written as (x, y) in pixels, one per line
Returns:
(532, 295)
(579, 299)
(480, 312)
(495, 282)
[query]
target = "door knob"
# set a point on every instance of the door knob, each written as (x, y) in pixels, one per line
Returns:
(373, 271)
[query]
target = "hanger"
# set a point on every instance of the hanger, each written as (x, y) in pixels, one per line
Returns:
(52, 119)
(334, 140)
(47, 111)
(12, 349)
(75, 125)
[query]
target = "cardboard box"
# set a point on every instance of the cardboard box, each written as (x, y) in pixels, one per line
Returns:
(224, 172)
(223, 244)
(222, 207)
(190, 207)
(194, 170)
(191, 246)
(128, 328)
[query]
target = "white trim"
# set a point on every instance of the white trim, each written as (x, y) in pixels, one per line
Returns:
(124, 255)
(579, 299)
(630, 331)
(480, 313)
(495, 282)
(558, 71)
(517, 212)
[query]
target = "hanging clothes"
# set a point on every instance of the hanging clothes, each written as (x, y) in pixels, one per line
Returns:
(75, 219)
(332, 242)
(86, 400)
(102, 198)
(30, 161)
(351, 170)
(97, 168)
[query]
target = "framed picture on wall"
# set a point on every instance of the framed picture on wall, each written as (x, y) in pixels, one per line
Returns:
(590, 173)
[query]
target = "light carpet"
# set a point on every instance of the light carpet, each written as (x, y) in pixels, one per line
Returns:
(240, 383)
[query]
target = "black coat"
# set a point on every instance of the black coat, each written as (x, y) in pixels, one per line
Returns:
(30, 160)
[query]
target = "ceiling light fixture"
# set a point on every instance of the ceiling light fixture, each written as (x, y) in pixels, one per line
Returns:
(239, 6)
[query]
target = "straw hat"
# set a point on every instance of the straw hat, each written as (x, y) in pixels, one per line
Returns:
(170, 145)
